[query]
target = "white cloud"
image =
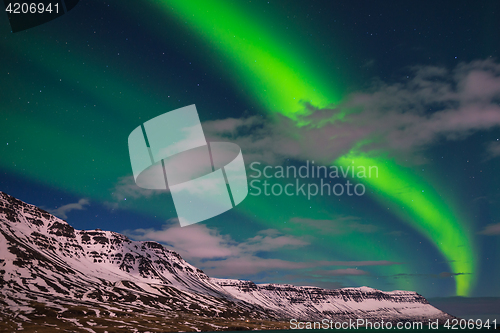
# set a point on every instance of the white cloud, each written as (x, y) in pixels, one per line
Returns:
(199, 242)
(127, 188)
(402, 118)
(339, 225)
(220, 256)
(491, 230)
(193, 242)
(63, 210)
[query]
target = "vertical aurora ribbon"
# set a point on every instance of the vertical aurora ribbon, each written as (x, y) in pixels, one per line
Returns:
(417, 203)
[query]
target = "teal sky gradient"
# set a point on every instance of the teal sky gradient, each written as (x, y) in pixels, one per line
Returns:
(75, 88)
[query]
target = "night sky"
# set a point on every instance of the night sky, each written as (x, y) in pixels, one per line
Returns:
(412, 90)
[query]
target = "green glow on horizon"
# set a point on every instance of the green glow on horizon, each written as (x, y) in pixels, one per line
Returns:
(417, 203)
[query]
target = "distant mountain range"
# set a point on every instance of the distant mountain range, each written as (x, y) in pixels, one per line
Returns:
(52, 275)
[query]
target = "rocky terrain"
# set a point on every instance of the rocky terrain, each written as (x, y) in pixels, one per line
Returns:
(55, 278)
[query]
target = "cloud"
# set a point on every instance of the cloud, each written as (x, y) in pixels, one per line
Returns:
(441, 275)
(491, 230)
(344, 272)
(63, 210)
(260, 139)
(402, 118)
(493, 149)
(360, 263)
(220, 255)
(340, 225)
(247, 265)
(448, 274)
(200, 242)
(127, 188)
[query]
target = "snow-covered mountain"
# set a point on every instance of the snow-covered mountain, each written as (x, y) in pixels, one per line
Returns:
(51, 274)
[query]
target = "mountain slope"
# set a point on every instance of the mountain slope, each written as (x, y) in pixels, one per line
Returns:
(51, 274)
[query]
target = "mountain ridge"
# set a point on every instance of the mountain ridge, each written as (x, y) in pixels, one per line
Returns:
(47, 264)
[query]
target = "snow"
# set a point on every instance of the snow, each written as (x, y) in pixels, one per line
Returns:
(154, 271)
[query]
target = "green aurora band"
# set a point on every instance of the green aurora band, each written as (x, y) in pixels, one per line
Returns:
(272, 74)
(417, 203)
(260, 63)
(265, 67)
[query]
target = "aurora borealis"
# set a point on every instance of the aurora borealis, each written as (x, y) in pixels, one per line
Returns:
(414, 94)
(264, 64)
